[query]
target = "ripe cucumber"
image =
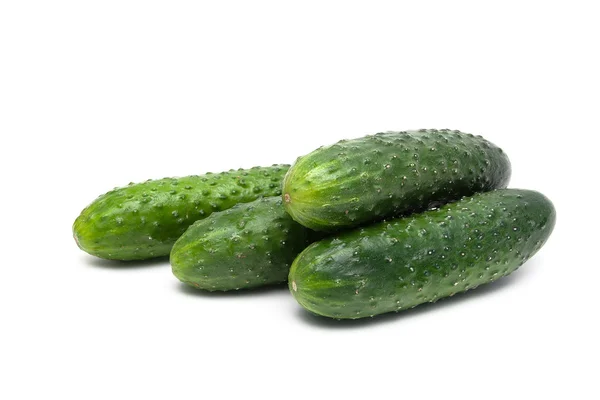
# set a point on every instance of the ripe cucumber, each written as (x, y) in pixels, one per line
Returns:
(389, 174)
(249, 245)
(398, 264)
(144, 220)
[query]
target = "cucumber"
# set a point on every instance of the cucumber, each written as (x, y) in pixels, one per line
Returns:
(144, 220)
(249, 245)
(395, 265)
(389, 174)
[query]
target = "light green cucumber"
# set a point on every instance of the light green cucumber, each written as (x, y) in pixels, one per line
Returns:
(143, 220)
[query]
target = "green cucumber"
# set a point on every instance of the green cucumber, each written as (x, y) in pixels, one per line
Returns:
(144, 220)
(249, 245)
(398, 264)
(389, 174)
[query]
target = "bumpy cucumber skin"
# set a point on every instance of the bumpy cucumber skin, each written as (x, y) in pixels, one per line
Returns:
(389, 174)
(249, 245)
(395, 265)
(143, 220)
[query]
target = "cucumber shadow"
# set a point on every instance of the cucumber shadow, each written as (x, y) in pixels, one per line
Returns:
(259, 291)
(470, 295)
(126, 265)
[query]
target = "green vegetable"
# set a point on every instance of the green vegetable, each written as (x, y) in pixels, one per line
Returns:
(249, 245)
(388, 174)
(144, 220)
(395, 265)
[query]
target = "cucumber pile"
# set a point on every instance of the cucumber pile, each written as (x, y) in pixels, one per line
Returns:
(359, 228)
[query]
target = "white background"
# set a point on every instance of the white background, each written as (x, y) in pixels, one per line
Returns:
(97, 94)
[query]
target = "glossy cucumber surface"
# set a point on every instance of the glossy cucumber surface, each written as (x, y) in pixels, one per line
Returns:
(388, 174)
(143, 220)
(249, 245)
(401, 263)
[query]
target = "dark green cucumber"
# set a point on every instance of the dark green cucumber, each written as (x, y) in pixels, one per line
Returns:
(387, 174)
(402, 263)
(249, 245)
(144, 220)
